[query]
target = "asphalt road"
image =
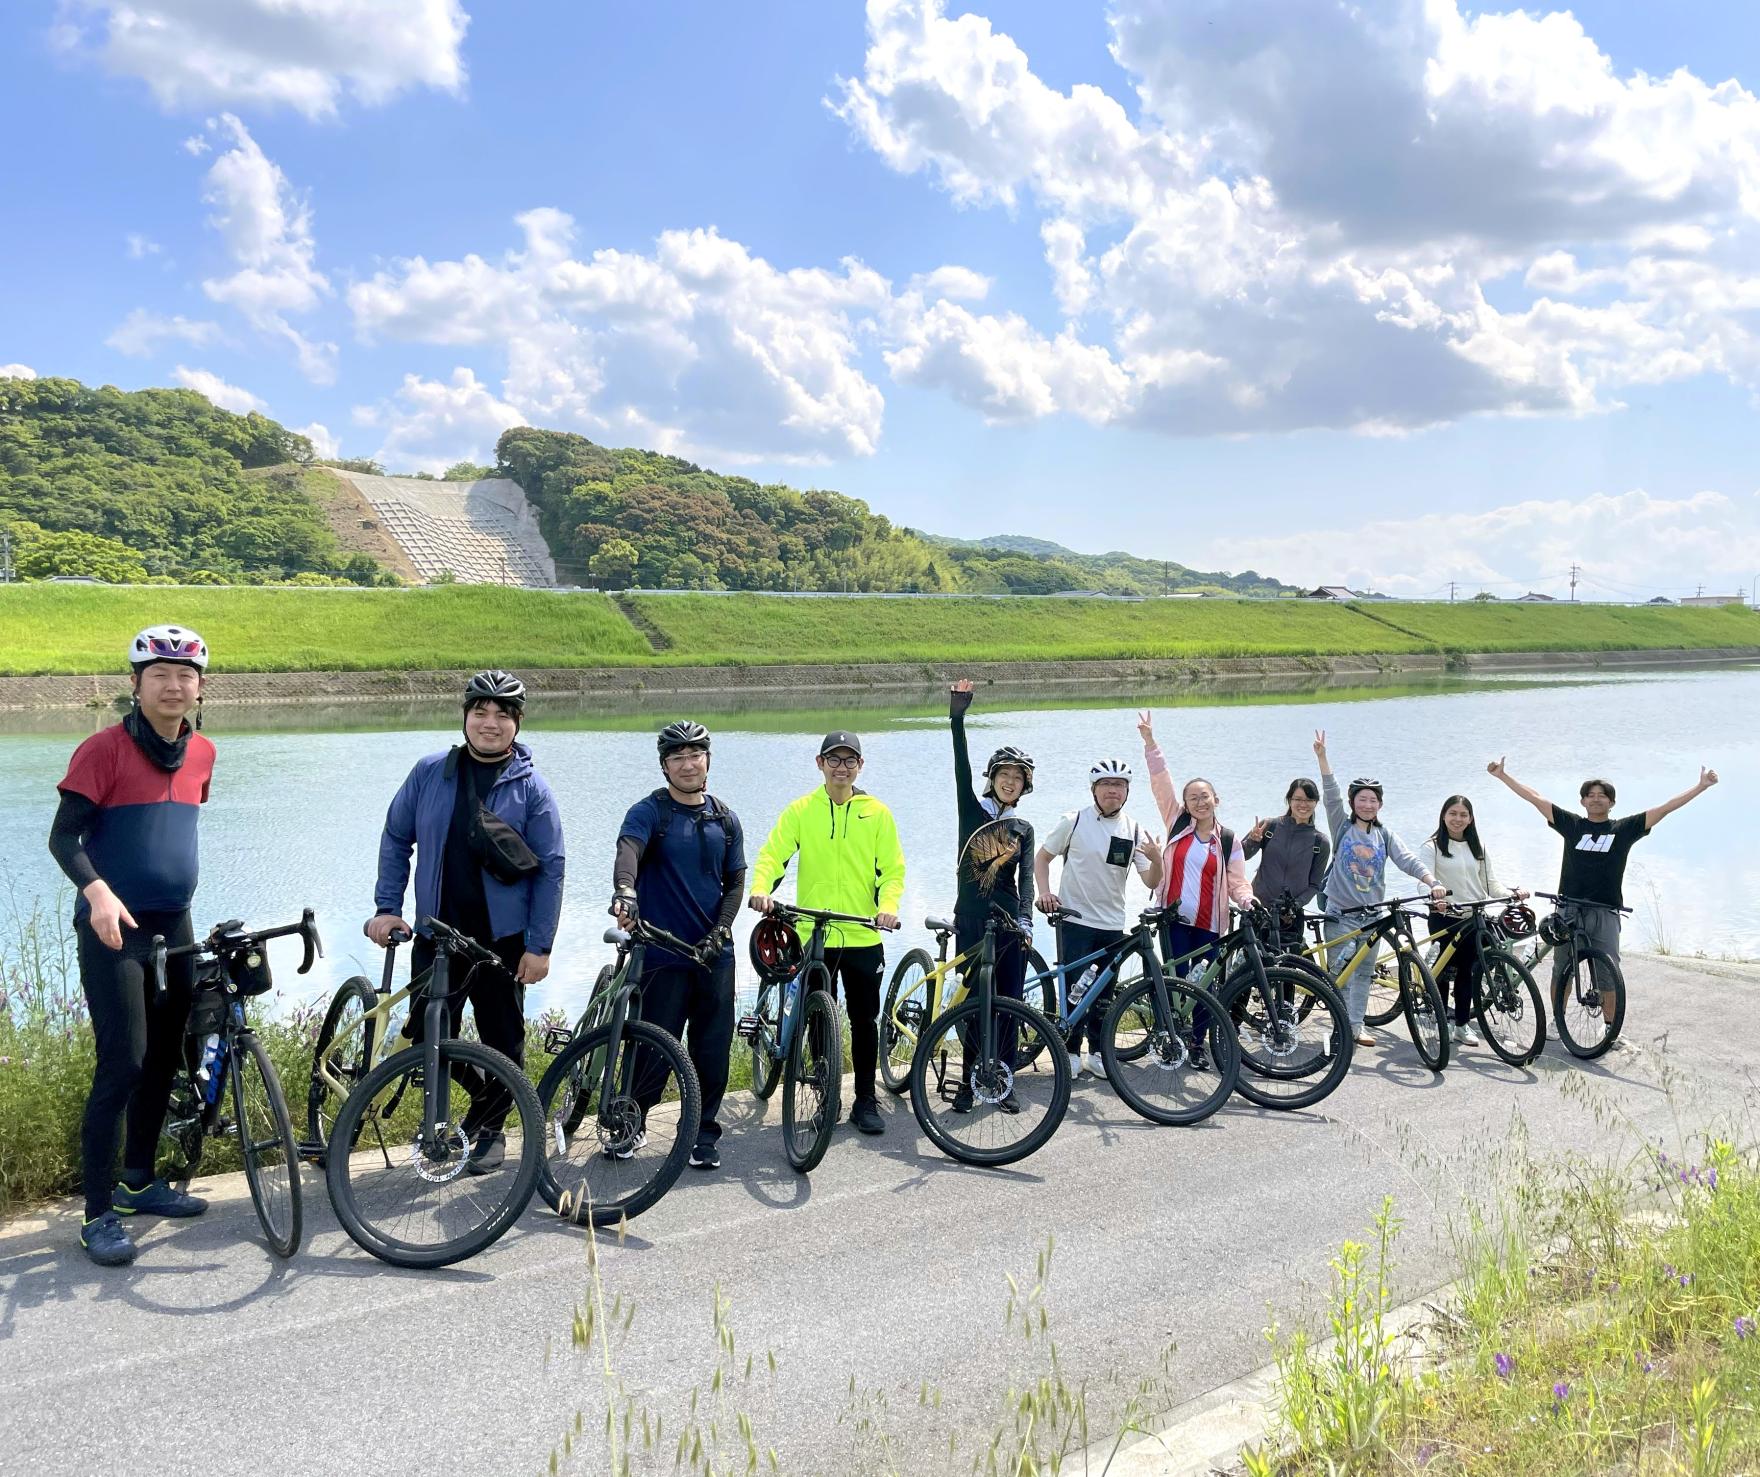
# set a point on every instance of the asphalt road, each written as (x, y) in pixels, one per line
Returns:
(888, 1265)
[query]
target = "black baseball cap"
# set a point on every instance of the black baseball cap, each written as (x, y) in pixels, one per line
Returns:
(840, 739)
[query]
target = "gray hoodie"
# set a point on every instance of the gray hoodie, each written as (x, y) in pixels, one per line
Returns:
(1359, 865)
(1294, 861)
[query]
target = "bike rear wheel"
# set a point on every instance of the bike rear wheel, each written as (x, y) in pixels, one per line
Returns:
(1424, 1010)
(812, 1079)
(267, 1144)
(570, 1104)
(765, 1059)
(907, 1011)
(349, 1021)
(950, 1063)
(618, 1158)
(1154, 1063)
(1386, 1000)
(1510, 1009)
(1579, 1004)
(415, 1204)
(1294, 1036)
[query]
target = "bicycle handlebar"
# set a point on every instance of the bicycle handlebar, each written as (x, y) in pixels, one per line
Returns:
(821, 915)
(1391, 903)
(1581, 902)
(459, 943)
(638, 928)
(229, 938)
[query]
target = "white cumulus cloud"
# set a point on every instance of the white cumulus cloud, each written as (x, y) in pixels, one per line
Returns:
(429, 424)
(324, 444)
(227, 397)
(142, 331)
(300, 54)
(17, 372)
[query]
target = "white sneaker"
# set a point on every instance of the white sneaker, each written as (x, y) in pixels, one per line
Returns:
(1467, 1036)
(1078, 1063)
(1096, 1064)
(632, 1147)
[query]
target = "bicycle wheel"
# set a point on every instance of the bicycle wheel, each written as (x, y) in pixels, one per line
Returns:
(1580, 1004)
(1424, 1010)
(812, 1080)
(1386, 999)
(1509, 1007)
(265, 1139)
(181, 1138)
(981, 1109)
(625, 1156)
(1302, 964)
(1295, 1043)
(348, 1020)
(1042, 996)
(416, 1205)
(907, 1010)
(571, 1102)
(766, 1062)
(1163, 1068)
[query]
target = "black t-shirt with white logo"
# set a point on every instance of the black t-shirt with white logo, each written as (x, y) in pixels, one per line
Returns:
(1594, 863)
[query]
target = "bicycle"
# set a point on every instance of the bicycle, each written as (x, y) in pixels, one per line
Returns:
(231, 967)
(987, 1095)
(617, 1067)
(795, 1034)
(411, 1197)
(1583, 981)
(1506, 1001)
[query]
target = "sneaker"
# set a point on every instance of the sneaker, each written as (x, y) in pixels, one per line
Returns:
(962, 1100)
(1196, 1057)
(865, 1114)
(705, 1156)
(1619, 1043)
(1010, 1104)
(487, 1154)
(633, 1147)
(1078, 1063)
(1364, 1038)
(105, 1241)
(157, 1198)
(1465, 1035)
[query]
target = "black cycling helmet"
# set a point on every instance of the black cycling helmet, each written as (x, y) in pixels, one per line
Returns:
(683, 734)
(1359, 785)
(775, 949)
(497, 686)
(1008, 754)
(1555, 928)
(1517, 922)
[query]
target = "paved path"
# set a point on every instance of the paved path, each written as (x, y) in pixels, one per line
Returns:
(888, 1264)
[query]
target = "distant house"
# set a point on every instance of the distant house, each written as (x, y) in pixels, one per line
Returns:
(1714, 600)
(1331, 592)
(1532, 598)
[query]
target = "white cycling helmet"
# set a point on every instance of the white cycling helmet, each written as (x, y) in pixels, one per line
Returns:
(1109, 769)
(176, 644)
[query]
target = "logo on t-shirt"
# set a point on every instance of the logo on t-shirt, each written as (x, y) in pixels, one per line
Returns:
(1602, 843)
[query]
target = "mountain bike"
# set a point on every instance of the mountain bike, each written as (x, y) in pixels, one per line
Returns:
(230, 967)
(1588, 986)
(609, 1155)
(1506, 1001)
(924, 985)
(397, 1157)
(795, 1033)
(1409, 988)
(990, 1078)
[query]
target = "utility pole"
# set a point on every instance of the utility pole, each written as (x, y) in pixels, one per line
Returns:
(1700, 590)
(5, 556)
(1166, 577)
(1576, 569)
(1451, 592)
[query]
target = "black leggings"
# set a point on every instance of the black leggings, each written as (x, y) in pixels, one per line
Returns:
(695, 1004)
(1008, 980)
(140, 1043)
(1076, 941)
(859, 968)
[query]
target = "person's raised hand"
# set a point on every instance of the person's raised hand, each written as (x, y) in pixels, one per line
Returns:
(1320, 742)
(1146, 725)
(1495, 767)
(1707, 777)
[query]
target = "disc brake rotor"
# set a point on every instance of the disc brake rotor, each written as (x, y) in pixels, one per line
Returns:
(446, 1166)
(992, 1082)
(1278, 1035)
(1168, 1051)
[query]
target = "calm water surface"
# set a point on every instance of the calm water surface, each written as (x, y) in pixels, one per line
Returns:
(300, 793)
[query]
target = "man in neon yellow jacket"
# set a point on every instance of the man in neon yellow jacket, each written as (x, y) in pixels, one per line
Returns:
(851, 862)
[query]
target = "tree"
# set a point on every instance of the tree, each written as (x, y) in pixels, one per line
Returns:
(466, 472)
(39, 554)
(614, 566)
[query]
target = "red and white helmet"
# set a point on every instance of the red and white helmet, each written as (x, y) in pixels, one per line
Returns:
(176, 644)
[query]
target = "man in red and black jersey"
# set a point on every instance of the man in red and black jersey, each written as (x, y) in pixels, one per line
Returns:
(125, 835)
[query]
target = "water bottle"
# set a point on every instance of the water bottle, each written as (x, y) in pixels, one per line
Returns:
(1079, 991)
(210, 1052)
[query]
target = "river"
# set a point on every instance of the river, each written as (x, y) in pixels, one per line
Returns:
(300, 792)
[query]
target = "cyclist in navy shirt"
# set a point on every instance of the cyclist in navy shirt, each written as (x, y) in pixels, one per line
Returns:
(681, 865)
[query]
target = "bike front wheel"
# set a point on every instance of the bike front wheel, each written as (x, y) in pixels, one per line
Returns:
(812, 1080)
(1589, 1004)
(267, 1144)
(1386, 1000)
(1176, 1068)
(1423, 1006)
(767, 1023)
(996, 1107)
(907, 1011)
(625, 1147)
(1294, 1037)
(1509, 1007)
(406, 1193)
(344, 1052)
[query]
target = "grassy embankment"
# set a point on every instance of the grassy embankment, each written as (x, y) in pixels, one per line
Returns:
(77, 629)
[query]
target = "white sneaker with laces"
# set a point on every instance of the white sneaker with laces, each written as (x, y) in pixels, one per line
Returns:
(1078, 1063)
(1467, 1036)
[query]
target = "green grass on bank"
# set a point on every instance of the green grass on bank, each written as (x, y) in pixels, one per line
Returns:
(84, 629)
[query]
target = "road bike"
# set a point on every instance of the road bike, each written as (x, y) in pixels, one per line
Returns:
(397, 1155)
(610, 1155)
(795, 1034)
(1409, 988)
(230, 967)
(1506, 1001)
(1588, 986)
(989, 1079)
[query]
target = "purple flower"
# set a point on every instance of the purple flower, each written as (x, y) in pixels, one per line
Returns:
(1645, 1364)
(1744, 1327)
(1711, 1179)
(1425, 1453)
(1561, 1391)
(1505, 1365)
(1686, 1279)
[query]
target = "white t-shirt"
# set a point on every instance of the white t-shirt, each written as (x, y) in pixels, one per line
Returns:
(1098, 852)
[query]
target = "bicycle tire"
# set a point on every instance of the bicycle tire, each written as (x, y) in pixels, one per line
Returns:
(264, 1129)
(584, 1070)
(1311, 1047)
(182, 1136)
(815, 1065)
(1046, 1005)
(948, 1034)
(1302, 964)
(766, 1064)
(1576, 1004)
(900, 994)
(617, 1196)
(1509, 1006)
(513, 1190)
(1387, 1001)
(321, 1099)
(1167, 1049)
(1425, 1017)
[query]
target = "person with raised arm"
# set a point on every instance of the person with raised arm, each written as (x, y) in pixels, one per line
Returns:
(1460, 862)
(1293, 852)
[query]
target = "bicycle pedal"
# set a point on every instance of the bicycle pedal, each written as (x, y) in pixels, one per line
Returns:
(557, 1037)
(747, 1027)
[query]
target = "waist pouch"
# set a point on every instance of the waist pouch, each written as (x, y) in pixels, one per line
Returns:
(501, 849)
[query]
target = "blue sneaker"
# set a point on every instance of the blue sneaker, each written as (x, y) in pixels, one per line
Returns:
(105, 1241)
(157, 1198)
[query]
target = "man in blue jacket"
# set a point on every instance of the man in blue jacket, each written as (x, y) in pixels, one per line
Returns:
(488, 844)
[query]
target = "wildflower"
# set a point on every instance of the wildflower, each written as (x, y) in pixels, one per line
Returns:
(1645, 1364)
(1505, 1365)
(1711, 1179)
(1561, 1392)
(1686, 1279)
(1744, 1327)
(1425, 1453)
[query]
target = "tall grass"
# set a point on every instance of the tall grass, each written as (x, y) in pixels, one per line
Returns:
(1567, 627)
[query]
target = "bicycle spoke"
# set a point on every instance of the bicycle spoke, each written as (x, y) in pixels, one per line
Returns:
(990, 1108)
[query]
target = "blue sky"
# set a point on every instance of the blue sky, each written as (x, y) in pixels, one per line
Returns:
(1396, 294)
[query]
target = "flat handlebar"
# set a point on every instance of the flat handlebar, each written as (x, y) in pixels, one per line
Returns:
(821, 915)
(1581, 902)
